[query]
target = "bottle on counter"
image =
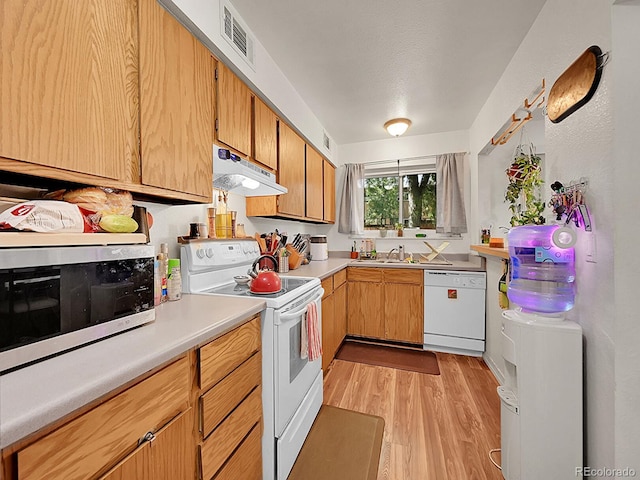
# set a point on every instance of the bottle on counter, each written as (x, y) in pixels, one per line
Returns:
(157, 283)
(163, 260)
(174, 280)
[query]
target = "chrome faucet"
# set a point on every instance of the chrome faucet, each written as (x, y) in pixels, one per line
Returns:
(399, 253)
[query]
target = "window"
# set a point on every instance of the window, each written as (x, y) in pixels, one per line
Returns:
(384, 188)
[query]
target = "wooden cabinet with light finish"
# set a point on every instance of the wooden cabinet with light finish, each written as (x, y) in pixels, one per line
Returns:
(233, 122)
(291, 174)
(328, 322)
(329, 196)
(91, 443)
(165, 456)
(291, 171)
(314, 185)
(230, 419)
(176, 105)
(69, 80)
(119, 96)
(265, 135)
(334, 315)
(309, 178)
(364, 307)
(391, 308)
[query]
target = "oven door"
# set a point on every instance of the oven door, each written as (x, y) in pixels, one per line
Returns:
(293, 375)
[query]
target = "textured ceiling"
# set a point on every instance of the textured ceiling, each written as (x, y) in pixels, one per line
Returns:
(359, 63)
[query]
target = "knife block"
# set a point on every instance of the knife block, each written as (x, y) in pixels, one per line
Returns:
(295, 259)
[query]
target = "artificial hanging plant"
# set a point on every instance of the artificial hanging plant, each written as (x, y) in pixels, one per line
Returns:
(525, 178)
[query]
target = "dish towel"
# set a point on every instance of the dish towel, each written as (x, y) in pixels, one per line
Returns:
(313, 332)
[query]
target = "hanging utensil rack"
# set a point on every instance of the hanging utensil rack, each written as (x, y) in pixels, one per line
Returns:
(521, 116)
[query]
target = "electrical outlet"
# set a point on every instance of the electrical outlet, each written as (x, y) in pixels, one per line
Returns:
(591, 248)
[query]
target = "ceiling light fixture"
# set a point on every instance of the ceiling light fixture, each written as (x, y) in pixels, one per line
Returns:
(397, 126)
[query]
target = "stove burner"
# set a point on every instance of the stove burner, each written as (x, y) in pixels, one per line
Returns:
(281, 291)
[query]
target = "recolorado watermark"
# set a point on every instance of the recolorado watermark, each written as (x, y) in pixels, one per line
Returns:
(605, 472)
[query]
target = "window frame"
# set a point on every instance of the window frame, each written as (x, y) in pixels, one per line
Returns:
(399, 171)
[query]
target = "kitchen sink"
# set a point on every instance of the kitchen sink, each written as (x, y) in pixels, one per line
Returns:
(380, 260)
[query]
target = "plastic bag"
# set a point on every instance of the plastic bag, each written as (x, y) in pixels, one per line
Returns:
(49, 216)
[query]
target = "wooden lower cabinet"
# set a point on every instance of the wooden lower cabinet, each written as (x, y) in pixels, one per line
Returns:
(365, 316)
(328, 330)
(170, 455)
(403, 312)
(385, 304)
(230, 405)
(93, 442)
(334, 315)
(340, 306)
(165, 426)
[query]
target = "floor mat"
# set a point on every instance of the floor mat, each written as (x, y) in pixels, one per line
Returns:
(341, 444)
(388, 356)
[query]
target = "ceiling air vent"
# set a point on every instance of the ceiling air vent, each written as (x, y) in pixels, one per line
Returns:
(237, 34)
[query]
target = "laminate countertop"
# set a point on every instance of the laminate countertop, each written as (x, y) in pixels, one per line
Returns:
(326, 268)
(40, 394)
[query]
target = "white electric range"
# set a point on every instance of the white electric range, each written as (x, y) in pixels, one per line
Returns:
(291, 385)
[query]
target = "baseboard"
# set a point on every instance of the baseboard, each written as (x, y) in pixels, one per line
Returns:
(494, 368)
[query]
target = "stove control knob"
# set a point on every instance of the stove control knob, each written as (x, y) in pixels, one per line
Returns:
(200, 253)
(209, 252)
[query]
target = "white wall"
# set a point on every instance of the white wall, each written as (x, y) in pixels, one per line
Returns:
(579, 146)
(391, 149)
(625, 67)
(492, 180)
(172, 221)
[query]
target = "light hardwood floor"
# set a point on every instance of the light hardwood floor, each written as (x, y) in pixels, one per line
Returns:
(437, 427)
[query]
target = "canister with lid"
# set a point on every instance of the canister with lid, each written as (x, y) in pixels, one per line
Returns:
(319, 247)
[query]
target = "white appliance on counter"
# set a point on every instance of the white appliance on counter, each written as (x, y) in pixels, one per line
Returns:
(291, 385)
(541, 399)
(454, 311)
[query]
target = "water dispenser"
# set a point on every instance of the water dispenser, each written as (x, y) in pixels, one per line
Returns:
(541, 396)
(542, 268)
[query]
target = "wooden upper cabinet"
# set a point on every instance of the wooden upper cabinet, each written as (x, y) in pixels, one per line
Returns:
(314, 186)
(69, 85)
(329, 175)
(176, 102)
(265, 135)
(291, 172)
(233, 111)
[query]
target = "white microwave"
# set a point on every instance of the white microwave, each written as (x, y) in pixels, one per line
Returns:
(53, 299)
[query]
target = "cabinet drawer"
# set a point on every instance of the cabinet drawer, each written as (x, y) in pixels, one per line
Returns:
(339, 278)
(327, 284)
(227, 394)
(99, 438)
(246, 462)
(363, 274)
(220, 357)
(216, 449)
(401, 275)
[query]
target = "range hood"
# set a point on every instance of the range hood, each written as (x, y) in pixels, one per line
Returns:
(237, 175)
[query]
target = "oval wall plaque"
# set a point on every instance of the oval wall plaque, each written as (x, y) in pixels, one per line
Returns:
(577, 84)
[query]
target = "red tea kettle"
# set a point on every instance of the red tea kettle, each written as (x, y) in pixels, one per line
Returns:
(265, 281)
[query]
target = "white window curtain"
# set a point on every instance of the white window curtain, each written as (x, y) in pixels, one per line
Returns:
(450, 215)
(351, 214)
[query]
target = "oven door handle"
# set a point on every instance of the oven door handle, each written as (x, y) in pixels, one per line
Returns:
(286, 317)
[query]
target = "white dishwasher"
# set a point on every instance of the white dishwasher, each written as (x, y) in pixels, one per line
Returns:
(454, 311)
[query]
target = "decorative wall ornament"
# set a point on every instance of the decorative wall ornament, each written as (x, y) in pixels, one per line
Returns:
(577, 84)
